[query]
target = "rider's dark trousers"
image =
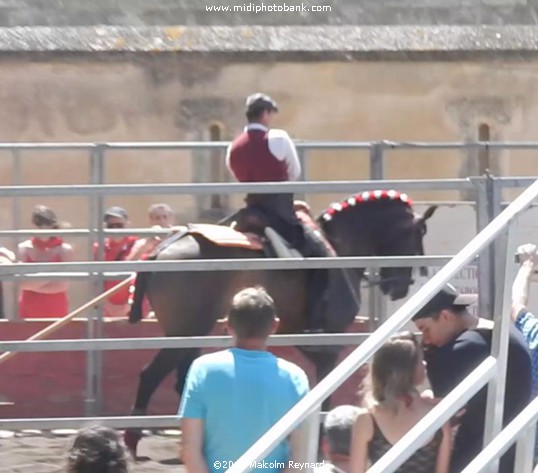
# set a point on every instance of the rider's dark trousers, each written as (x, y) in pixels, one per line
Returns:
(280, 213)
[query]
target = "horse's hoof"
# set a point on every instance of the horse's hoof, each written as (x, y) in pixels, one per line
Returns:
(131, 437)
(135, 317)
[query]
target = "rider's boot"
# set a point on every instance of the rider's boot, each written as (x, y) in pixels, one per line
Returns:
(318, 284)
(317, 301)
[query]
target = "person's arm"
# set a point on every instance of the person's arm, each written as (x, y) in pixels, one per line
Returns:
(363, 431)
(141, 247)
(28, 284)
(228, 164)
(292, 159)
(192, 412)
(445, 451)
(192, 445)
(7, 256)
(58, 285)
(283, 148)
(521, 285)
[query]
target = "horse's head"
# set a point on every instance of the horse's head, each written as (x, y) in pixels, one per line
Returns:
(378, 223)
(404, 238)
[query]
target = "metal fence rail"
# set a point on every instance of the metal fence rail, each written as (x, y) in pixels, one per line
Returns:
(312, 187)
(226, 264)
(311, 402)
(302, 144)
(155, 343)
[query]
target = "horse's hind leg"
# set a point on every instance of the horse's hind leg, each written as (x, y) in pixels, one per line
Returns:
(183, 367)
(151, 377)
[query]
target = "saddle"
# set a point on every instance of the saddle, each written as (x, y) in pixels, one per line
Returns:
(249, 228)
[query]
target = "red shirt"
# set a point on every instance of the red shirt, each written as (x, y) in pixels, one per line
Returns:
(116, 251)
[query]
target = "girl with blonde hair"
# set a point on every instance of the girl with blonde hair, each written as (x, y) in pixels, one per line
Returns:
(396, 373)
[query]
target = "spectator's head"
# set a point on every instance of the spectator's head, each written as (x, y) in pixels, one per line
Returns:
(97, 449)
(161, 215)
(444, 317)
(337, 430)
(397, 369)
(260, 108)
(44, 218)
(116, 218)
(252, 315)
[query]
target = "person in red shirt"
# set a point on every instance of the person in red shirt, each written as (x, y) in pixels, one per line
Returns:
(264, 154)
(117, 248)
(159, 216)
(39, 298)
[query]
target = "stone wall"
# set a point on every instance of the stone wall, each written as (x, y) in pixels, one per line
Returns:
(194, 12)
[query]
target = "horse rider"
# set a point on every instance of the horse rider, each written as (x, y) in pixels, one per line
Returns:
(264, 154)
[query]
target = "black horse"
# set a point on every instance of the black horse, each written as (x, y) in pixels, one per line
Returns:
(189, 303)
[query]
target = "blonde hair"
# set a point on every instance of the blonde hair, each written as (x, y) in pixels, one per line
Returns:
(393, 369)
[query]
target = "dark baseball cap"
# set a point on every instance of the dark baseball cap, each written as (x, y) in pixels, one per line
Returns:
(118, 212)
(260, 101)
(446, 298)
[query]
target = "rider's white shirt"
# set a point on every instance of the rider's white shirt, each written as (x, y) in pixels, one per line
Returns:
(281, 147)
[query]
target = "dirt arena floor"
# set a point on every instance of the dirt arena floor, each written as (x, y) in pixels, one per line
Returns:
(45, 453)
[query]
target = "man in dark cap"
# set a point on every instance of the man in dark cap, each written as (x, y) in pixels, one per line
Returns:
(456, 342)
(117, 248)
(264, 154)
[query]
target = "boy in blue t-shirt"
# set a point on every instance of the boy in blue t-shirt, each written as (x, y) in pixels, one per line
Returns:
(233, 397)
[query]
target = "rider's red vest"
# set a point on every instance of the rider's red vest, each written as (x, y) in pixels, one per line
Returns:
(252, 161)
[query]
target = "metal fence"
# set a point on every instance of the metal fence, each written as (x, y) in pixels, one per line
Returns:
(488, 202)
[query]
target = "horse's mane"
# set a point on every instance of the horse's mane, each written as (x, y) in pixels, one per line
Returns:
(363, 198)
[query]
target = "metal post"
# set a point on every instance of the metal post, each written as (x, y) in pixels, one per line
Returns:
(94, 320)
(310, 438)
(100, 174)
(375, 299)
(497, 248)
(505, 272)
(16, 209)
(483, 217)
(301, 153)
(377, 162)
(89, 399)
(525, 450)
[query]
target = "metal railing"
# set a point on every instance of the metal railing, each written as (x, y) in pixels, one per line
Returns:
(97, 233)
(312, 401)
(523, 424)
(488, 204)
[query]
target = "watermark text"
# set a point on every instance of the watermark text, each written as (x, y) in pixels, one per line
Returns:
(268, 7)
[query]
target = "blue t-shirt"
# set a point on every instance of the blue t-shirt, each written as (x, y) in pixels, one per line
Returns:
(527, 324)
(240, 394)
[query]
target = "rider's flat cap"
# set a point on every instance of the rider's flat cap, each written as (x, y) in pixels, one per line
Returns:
(446, 298)
(260, 101)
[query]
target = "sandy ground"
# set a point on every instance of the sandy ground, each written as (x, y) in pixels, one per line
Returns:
(45, 453)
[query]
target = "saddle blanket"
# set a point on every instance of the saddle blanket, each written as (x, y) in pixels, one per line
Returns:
(226, 236)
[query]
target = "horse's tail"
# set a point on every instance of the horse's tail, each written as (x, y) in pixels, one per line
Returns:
(141, 283)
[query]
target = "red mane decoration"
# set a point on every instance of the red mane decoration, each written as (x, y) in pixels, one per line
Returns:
(362, 197)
